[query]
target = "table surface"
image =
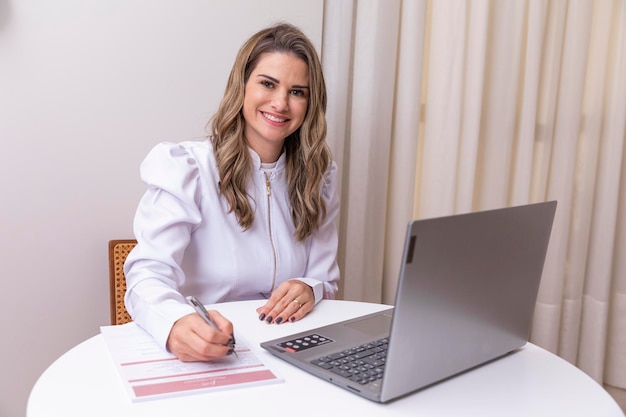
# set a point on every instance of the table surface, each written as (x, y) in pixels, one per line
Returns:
(529, 382)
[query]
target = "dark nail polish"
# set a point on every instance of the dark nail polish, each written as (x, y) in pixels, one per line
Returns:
(279, 320)
(269, 319)
(292, 319)
(232, 337)
(262, 316)
(230, 352)
(231, 342)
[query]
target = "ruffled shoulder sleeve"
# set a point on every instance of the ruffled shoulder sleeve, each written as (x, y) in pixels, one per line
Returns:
(174, 168)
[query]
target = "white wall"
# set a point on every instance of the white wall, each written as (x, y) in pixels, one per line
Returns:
(86, 89)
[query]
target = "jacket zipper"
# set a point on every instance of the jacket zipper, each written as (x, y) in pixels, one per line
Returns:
(269, 227)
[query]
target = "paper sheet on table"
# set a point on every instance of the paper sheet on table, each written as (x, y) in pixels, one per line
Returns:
(148, 372)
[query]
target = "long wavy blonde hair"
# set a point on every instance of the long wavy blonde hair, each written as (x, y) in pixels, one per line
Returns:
(307, 154)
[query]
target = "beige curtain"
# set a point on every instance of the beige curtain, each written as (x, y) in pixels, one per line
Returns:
(449, 106)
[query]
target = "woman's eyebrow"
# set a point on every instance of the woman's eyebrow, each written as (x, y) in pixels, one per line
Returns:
(278, 82)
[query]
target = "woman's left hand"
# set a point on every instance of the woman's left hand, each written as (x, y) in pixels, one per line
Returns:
(291, 301)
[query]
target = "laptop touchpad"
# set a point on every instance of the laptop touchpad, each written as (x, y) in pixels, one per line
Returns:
(375, 325)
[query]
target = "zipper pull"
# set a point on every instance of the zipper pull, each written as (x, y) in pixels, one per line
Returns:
(267, 185)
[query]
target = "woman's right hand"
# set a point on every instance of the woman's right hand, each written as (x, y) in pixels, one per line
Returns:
(192, 339)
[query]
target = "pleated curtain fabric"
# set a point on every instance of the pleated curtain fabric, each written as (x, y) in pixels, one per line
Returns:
(448, 106)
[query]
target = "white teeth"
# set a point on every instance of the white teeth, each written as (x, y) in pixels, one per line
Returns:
(274, 118)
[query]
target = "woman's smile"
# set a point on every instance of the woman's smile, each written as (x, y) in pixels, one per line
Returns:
(274, 119)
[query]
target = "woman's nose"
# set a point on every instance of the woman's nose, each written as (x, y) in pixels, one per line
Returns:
(280, 101)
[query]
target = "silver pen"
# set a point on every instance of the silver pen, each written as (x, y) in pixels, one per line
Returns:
(199, 307)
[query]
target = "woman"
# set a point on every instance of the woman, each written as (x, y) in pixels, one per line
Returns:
(248, 213)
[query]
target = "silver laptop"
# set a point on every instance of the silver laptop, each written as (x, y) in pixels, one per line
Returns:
(465, 296)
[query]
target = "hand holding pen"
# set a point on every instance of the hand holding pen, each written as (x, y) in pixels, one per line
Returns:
(193, 338)
(205, 316)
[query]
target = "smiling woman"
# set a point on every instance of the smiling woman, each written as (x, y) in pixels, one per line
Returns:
(275, 103)
(304, 148)
(248, 213)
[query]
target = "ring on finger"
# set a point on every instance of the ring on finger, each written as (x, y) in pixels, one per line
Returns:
(297, 302)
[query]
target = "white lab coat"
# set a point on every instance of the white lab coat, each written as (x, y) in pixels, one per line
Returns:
(190, 244)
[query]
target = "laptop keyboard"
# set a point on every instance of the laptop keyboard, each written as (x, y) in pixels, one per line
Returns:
(363, 364)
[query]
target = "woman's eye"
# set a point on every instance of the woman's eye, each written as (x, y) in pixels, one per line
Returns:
(267, 84)
(298, 93)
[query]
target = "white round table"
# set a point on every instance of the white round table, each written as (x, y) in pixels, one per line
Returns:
(531, 382)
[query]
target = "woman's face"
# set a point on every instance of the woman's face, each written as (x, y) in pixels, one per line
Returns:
(275, 102)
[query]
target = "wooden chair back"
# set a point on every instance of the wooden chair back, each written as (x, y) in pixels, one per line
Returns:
(118, 251)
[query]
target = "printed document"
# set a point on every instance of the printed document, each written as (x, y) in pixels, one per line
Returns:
(148, 372)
